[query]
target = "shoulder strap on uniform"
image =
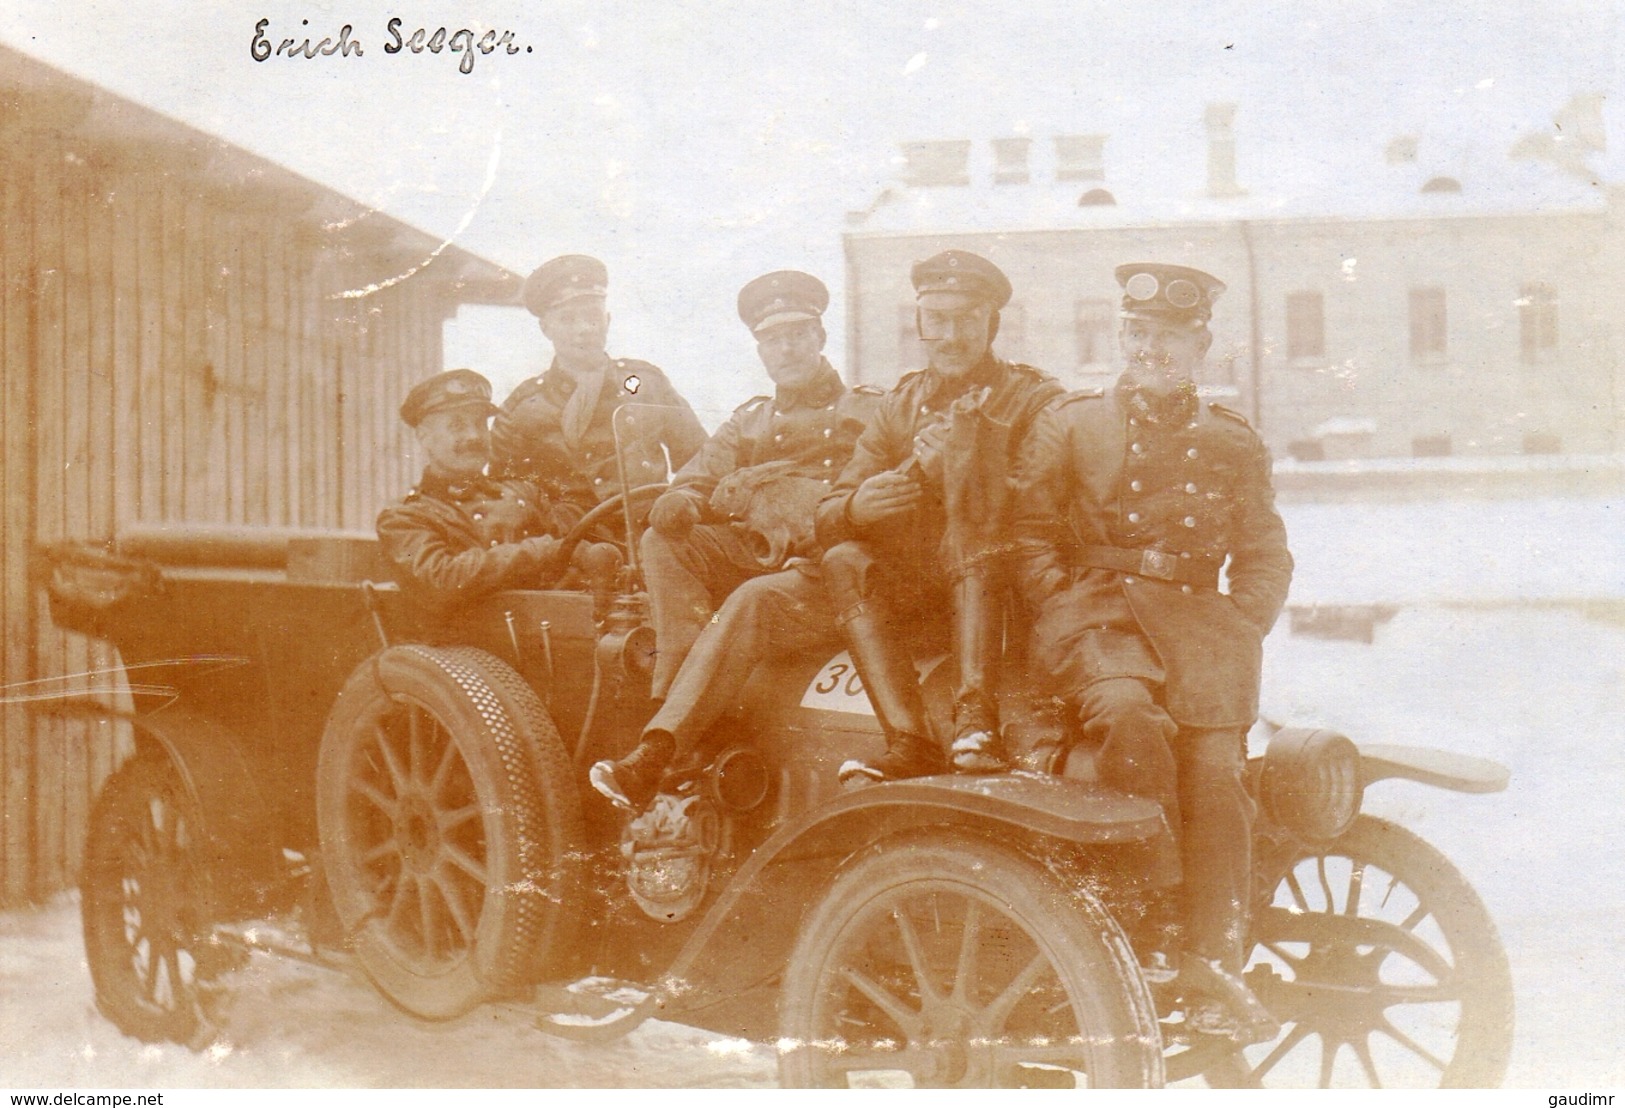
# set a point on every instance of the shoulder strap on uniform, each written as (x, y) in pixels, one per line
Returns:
(868, 390)
(1096, 393)
(1220, 409)
(751, 405)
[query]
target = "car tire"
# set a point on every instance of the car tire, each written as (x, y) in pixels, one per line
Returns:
(448, 824)
(144, 903)
(1382, 964)
(953, 961)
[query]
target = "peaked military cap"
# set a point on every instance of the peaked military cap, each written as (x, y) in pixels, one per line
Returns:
(1169, 293)
(782, 297)
(455, 388)
(963, 272)
(564, 279)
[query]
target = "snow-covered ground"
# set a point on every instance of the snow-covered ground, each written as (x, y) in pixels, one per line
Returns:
(1467, 663)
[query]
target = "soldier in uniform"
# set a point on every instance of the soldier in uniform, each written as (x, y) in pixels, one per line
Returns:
(904, 538)
(460, 534)
(1130, 501)
(697, 564)
(560, 428)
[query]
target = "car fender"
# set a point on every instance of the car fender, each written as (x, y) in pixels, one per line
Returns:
(744, 932)
(238, 823)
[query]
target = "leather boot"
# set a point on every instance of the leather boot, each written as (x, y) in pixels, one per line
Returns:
(978, 635)
(631, 782)
(889, 677)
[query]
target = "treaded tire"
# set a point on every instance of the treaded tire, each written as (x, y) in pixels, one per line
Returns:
(144, 902)
(449, 827)
(1404, 983)
(952, 961)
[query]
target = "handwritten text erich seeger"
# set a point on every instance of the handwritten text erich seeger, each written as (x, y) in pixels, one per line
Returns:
(464, 41)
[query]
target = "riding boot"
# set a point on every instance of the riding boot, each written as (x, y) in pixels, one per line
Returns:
(887, 671)
(978, 636)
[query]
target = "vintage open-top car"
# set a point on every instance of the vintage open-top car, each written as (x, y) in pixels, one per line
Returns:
(407, 795)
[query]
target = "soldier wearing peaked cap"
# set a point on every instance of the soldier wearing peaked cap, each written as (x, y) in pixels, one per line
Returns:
(1130, 500)
(560, 428)
(915, 520)
(459, 534)
(697, 562)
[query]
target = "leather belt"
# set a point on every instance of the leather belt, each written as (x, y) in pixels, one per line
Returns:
(1158, 565)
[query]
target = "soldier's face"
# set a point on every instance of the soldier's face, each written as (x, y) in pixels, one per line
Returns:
(579, 331)
(792, 352)
(956, 331)
(457, 441)
(1162, 357)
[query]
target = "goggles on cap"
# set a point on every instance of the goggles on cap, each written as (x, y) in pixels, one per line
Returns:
(1181, 291)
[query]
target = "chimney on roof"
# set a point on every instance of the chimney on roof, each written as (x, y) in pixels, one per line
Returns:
(1010, 161)
(1221, 150)
(1080, 157)
(942, 162)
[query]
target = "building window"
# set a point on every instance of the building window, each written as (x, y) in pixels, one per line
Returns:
(1537, 323)
(1427, 323)
(1305, 326)
(1093, 328)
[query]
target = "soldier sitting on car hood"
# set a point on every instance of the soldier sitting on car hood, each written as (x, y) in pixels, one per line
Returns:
(1129, 502)
(698, 563)
(460, 534)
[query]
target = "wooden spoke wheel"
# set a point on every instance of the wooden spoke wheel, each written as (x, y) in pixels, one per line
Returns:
(144, 903)
(958, 963)
(449, 825)
(1382, 965)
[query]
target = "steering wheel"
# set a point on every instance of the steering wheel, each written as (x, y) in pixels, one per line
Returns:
(636, 499)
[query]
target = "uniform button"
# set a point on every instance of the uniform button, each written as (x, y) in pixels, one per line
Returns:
(1186, 589)
(924, 409)
(1135, 486)
(1190, 521)
(493, 542)
(1190, 487)
(521, 503)
(778, 438)
(1191, 453)
(826, 480)
(647, 464)
(598, 480)
(1137, 448)
(1132, 422)
(1134, 517)
(479, 516)
(829, 461)
(828, 432)
(1128, 580)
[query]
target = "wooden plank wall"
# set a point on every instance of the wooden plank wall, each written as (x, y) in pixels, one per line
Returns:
(174, 350)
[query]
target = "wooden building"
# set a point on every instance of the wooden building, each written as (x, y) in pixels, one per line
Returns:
(187, 333)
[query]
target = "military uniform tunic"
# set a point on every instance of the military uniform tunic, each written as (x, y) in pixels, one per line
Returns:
(454, 541)
(1103, 472)
(528, 440)
(904, 426)
(814, 428)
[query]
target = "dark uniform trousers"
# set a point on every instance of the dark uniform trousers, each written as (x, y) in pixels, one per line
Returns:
(765, 617)
(1162, 667)
(689, 578)
(886, 578)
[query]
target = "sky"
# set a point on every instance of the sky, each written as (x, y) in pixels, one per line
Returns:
(693, 146)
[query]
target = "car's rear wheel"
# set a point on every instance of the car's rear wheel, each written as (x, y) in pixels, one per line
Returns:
(449, 827)
(1383, 966)
(144, 903)
(949, 961)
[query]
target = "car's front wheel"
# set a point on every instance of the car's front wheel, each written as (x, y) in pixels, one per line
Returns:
(950, 961)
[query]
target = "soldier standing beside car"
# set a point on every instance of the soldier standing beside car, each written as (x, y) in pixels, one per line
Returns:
(697, 564)
(915, 520)
(1130, 502)
(460, 534)
(560, 428)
